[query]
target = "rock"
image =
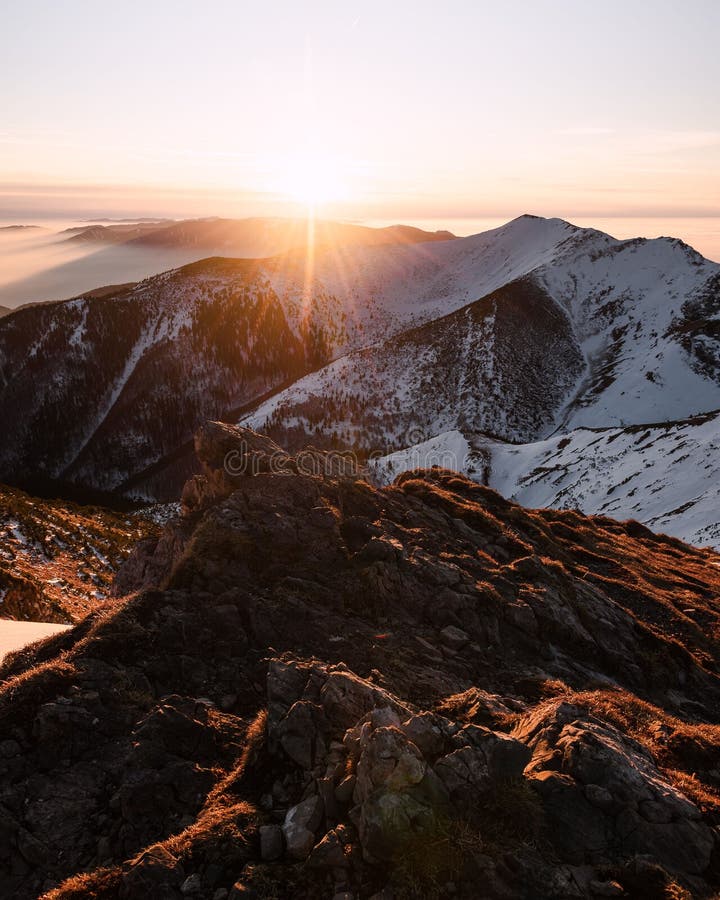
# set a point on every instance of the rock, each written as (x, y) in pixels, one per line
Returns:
(9, 749)
(386, 893)
(271, 842)
(191, 886)
(299, 841)
(329, 853)
(426, 732)
(240, 891)
(299, 827)
(384, 717)
(521, 615)
(454, 638)
(300, 733)
(396, 794)
(600, 797)
(484, 758)
(237, 451)
(390, 760)
(429, 649)
(344, 791)
(601, 789)
(347, 698)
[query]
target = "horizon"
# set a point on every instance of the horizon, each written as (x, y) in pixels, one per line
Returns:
(46, 263)
(324, 116)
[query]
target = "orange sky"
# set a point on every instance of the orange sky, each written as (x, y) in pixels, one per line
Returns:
(400, 111)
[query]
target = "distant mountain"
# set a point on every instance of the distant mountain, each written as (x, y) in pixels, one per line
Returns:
(109, 234)
(254, 237)
(94, 254)
(4, 310)
(522, 334)
(545, 326)
(20, 228)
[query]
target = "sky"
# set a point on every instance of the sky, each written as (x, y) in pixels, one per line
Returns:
(376, 110)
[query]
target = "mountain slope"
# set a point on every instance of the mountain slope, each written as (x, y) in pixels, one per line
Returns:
(108, 384)
(503, 365)
(665, 475)
(518, 332)
(58, 559)
(413, 690)
(641, 313)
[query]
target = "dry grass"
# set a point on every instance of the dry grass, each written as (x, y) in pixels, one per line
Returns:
(432, 859)
(102, 883)
(55, 555)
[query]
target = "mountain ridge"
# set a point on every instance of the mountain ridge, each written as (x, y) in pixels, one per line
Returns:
(634, 324)
(529, 692)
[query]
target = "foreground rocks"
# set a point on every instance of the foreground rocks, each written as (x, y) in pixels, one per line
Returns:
(317, 689)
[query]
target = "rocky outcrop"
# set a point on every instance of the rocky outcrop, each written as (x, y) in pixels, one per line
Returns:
(313, 687)
(602, 790)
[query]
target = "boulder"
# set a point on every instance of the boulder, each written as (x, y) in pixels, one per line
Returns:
(300, 825)
(603, 793)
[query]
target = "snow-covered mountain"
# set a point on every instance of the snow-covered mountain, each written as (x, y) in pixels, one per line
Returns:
(534, 326)
(666, 476)
(572, 330)
(527, 333)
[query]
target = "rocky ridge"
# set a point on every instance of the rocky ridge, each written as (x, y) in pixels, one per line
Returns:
(316, 688)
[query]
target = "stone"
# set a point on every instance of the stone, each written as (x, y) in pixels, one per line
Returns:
(191, 886)
(299, 827)
(383, 717)
(600, 797)
(240, 891)
(425, 731)
(299, 841)
(606, 889)
(454, 638)
(329, 853)
(520, 614)
(344, 791)
(271, 842)
(601, 789)
(299, 733)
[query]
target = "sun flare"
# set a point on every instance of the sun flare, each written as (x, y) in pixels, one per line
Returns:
(313, 179)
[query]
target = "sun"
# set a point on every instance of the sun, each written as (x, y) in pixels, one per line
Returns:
(313, 179)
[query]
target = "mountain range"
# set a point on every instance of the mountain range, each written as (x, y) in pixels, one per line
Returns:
(78, 259)
(543, 351)
(335, 665)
